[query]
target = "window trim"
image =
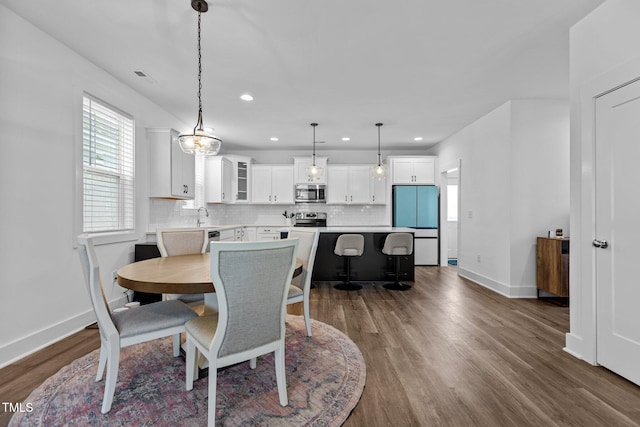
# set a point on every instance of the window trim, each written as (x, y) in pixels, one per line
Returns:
(100, 238)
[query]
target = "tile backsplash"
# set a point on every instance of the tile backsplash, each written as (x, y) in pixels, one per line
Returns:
(172, 213)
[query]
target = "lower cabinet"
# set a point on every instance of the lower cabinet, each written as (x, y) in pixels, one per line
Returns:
(228, 235)
(267, 233)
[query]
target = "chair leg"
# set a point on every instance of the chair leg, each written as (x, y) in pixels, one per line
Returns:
(213, 379)
(113, 364)
(190, 363)
(347, 285)
(102, 362)
(281, 376)
(253, 363)
(397, 286)
(176, 345)
(307, 319)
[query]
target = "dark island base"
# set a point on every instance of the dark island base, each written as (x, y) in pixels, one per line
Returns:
(373, 265)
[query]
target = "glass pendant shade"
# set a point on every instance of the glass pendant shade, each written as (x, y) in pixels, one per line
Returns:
(200, 140)
(379, 170)
(314, 171)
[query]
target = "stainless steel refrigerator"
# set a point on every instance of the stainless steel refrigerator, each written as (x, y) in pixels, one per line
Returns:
(416, 206)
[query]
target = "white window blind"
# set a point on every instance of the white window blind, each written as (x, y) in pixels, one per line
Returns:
(108, 168)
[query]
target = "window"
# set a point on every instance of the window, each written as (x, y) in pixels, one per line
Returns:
(107, 168)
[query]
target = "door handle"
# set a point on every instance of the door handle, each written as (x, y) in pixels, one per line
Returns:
(602, 244)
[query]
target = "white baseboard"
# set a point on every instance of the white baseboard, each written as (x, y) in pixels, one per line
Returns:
(22, 347)
(501, 288)
(574, 346)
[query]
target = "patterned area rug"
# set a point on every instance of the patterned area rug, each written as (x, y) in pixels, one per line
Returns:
(325, 379)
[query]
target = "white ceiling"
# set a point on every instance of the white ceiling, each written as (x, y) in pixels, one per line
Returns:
(422, 67)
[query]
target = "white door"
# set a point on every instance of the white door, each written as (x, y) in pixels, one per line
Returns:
(617, 222)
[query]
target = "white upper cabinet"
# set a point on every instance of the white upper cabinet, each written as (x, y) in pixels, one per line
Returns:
(218, 180)
(301, 165)
(241, 178)
(272, 184)
(379, 191)
(413, 170)
(349, 185)
(172, 173)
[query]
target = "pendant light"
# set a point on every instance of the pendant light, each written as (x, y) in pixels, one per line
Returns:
(378, 171)
(314, 171)
(200, 140)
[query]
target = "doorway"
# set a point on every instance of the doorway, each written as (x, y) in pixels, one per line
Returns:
(449, 212)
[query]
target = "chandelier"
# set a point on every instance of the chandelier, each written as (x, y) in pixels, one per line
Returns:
(314, 171)
(200, 140)
(378, 171)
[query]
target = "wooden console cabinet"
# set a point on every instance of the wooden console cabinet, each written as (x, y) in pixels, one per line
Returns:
(552, 262)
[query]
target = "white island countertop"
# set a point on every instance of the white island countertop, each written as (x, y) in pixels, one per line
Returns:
(362, 229)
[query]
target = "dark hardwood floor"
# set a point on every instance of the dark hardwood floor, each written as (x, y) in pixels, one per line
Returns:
(447, 352)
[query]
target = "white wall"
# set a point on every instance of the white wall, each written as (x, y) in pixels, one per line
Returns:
(41, 82)
(514, 185)
(604, 55)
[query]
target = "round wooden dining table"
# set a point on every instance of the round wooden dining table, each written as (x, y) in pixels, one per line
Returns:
(182, 274)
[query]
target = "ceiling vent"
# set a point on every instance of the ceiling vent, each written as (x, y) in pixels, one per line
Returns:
(144, 76)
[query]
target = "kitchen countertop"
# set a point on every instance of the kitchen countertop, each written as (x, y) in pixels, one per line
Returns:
(328, 229)
(362, 229)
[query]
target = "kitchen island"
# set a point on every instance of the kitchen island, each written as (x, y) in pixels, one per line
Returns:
(373, 265)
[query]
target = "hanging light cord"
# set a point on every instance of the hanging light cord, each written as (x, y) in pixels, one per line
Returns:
(314, 142)
(199, 125)
(378, 125)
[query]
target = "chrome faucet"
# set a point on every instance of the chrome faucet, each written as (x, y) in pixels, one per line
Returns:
(206, 212)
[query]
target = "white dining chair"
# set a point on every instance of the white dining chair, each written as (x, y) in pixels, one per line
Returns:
(301, 285)
(251, 280)
(183, 241)
(128, 327)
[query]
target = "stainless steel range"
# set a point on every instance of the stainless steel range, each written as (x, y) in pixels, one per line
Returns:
(311, 219)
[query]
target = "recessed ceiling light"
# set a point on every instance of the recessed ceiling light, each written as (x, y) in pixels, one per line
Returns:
(346, 138)
(246, 97)
(417, 138)
(273, 138)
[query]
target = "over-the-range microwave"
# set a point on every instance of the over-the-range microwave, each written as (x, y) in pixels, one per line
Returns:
(310, 193)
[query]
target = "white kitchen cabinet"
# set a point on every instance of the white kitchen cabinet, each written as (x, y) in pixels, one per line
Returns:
(172, 173)
(241, 178)
(241, 234)
(250, 234)
(267, 233)
(379, 191)
(218, 178)
(413, 170)
(301, 164)
(348, 184)
(228, 235)
(272, 184)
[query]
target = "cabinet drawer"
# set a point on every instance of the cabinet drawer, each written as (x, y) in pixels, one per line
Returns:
(229, 234)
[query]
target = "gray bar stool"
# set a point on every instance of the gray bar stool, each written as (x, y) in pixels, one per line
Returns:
(349, 245)
(398, 245)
